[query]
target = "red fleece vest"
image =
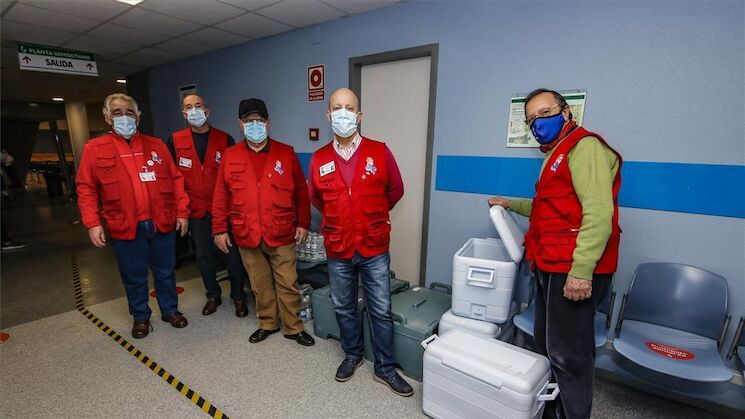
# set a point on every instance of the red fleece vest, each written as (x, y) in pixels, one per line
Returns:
(117, 194)
(261, 209)
(355, 217)
(199, 177)
(557, 214)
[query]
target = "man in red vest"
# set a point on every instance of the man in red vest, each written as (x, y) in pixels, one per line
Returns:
(142, 200)
(573, 244)
(262, 195)
(197, 151)
(354, 183)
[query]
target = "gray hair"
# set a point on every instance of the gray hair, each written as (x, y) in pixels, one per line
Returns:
(559, 99)
(119, 96)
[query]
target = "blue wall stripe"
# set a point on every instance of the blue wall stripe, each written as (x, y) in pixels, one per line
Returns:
(304, 161)
(709, 189)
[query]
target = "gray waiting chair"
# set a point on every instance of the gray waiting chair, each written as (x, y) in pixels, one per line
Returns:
(673, 320)
(525, 320)
(738, 344)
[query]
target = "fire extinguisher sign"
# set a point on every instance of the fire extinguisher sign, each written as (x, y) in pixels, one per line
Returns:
(316, 84)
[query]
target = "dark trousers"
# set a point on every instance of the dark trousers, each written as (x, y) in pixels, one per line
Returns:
(154, 250)
(200, 231)
(374, 272)
(565, 333)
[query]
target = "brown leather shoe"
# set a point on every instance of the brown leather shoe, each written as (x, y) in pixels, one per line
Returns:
(177, 320)
(141, 328)
(241, 309)
(211, 306)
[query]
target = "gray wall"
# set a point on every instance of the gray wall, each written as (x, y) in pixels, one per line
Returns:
(664, 83)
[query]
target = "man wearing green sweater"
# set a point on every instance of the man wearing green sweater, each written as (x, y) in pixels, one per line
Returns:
(572, 244)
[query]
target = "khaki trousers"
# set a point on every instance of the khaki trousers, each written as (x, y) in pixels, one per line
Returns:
(273, 275)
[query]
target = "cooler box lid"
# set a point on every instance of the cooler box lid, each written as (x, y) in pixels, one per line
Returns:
(510, 233)
(419, 309)
(496, 363)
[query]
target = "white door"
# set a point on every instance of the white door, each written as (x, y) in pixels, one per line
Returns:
(395, 106)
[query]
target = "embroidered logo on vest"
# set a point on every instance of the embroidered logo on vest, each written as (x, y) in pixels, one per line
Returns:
(370, 168)
(557, 162)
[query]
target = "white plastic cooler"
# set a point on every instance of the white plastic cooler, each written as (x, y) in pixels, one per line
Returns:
(487, 330)
(467, 376)
(484, 271)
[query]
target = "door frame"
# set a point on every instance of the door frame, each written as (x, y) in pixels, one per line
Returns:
(355, 83)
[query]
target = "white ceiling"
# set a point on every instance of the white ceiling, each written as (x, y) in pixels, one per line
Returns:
(127, 39)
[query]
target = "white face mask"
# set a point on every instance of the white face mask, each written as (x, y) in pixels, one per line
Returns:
(343, 122)
(126, 126)
(196, 117)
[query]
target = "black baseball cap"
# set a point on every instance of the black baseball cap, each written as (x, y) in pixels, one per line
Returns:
(253, 105)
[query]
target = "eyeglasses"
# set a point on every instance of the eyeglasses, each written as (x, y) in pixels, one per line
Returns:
(540, 114)
(250, 120)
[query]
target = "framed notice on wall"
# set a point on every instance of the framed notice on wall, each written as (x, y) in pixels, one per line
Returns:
(316, 84)
(519, 135)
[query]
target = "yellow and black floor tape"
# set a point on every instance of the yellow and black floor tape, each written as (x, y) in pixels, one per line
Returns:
(174, 382)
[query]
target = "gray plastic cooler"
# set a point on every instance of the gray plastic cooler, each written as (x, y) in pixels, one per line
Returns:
(324, 317)
(416, 315)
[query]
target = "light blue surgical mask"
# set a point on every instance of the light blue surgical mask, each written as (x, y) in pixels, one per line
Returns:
(124, 125)
(196, 117)
(343, 122)
(255, 131)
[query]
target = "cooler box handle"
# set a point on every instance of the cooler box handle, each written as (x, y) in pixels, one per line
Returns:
(554, 387)
(398, 318)
(427, 341)
(448, 289)
(481, 277)
(470, 368)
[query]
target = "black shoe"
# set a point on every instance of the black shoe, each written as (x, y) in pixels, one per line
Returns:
(261, 334)
(241, 309)
(302, 338)
(211, 306)
(13, 245)
(397, 384)
(346, 369)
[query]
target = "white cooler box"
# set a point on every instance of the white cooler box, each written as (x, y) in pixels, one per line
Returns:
(484, 271)
(487, 330)
(466, 376)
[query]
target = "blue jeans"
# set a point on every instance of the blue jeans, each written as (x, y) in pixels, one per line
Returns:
(154, 250)
(200, 231)
(374, 273)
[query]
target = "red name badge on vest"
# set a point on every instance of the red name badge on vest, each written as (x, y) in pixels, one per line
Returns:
(184, 162)
(328, 168)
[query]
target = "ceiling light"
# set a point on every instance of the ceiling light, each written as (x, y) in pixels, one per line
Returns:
(122, 81)
(130, 2)
(58, 99)
(33, 104)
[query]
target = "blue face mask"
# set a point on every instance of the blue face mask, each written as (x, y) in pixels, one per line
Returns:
(196, 117)
(546, 129)
(126, 126)
(255, 131)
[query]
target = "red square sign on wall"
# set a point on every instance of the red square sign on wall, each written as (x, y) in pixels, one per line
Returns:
(315, 83)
